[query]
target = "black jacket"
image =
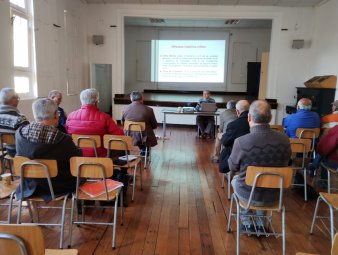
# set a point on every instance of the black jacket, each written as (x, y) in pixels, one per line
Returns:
(234, 130)
(62, 150)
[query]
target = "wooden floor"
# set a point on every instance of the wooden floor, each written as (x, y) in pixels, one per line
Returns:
(183, 210)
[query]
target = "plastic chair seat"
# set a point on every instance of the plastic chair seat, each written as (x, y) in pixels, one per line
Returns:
(274, 207)
(330, 198)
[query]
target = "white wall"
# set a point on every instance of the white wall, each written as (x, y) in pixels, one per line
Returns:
(325, 43)
(288, 68)
(53, 61)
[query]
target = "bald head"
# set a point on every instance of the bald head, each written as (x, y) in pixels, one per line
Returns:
(304, 103)
(259, 112)
(242, 106)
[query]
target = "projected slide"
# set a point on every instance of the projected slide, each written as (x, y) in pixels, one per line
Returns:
(188, 61)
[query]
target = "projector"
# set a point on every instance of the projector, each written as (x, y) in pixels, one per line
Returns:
(188, 109)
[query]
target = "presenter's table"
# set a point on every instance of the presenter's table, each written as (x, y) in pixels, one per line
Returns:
(177, 112)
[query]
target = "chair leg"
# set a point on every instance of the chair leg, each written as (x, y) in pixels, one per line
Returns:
(230, 213)
(10, 208)
(238, 232)
(63, 220)
(328, 182)
(114, 222)
(222, 181)
(134, 183)
(71, 221)
(331, 224)
(229, 184)
(18, 217)
(315, 214)
(305, 186)
(121, 206)
(283, 230)
(140, 166)
(145, 158)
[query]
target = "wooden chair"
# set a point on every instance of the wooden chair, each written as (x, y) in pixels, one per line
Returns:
(87, 141)
(334, 249)
(302, 147)
(6, 139)
(139, 127)
(278, 128)
(262, 177)
(309, 133)
(40, 169)
(21, 239)
(94, 168)
(332, 202)
(124, 143)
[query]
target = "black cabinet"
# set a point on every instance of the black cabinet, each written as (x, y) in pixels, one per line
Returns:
(321, 98)
(253, 78)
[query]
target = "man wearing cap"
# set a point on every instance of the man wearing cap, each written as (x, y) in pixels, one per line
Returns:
(303, 118)
(331, 120)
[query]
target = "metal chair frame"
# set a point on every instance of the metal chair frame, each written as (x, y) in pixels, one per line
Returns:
(228, 176)
(98, 170)
(257, 182)
(6, 137)
(93, 140)
(20, 165)
(138, 126)
(108, 144)
(322, 197)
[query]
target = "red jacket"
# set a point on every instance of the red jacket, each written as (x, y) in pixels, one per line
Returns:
(328, 145)
(89, 120)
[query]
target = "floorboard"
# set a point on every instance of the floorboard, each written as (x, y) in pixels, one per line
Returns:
(183, 210)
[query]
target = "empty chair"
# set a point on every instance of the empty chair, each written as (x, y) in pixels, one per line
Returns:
(22, 239)
(262, 177)
(94, 168)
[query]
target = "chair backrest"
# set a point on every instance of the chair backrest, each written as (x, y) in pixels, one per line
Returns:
(300, 145)
(130, 125)
(279, 128)
(118, 142)
(87, 141)
(334, 249)
(268, 177)
(14, 238)
(35, 168)
(88, 167)
(308, 133)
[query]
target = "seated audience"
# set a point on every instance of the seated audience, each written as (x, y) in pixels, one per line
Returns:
(89, 120)
(139, 112)
(206, 124)
(235, 129)
(262, 147)
(10, 117)
(56, 96)
(42, 140)
(225, 117)
(303, 118)
(331, 120)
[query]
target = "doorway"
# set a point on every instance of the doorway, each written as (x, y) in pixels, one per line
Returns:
(101, 80)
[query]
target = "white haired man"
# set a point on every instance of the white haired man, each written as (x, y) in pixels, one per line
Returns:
(56, 96)
(303, 118)
(42, 140)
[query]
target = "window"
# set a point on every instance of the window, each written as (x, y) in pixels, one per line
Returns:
(23, 47)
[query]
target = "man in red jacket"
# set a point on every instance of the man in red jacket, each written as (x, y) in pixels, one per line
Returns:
(89, 120)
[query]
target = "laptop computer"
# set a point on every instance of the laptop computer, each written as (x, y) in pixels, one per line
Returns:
(208, 107)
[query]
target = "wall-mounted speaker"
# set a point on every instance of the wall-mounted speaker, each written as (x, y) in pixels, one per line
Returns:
(297, 44)
(98, 39)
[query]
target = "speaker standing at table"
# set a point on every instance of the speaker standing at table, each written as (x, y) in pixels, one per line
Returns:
(206, 124)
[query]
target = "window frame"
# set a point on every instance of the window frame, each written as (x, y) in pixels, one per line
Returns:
(30, 71)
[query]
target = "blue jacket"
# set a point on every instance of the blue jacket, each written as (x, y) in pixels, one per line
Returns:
(300, 119)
